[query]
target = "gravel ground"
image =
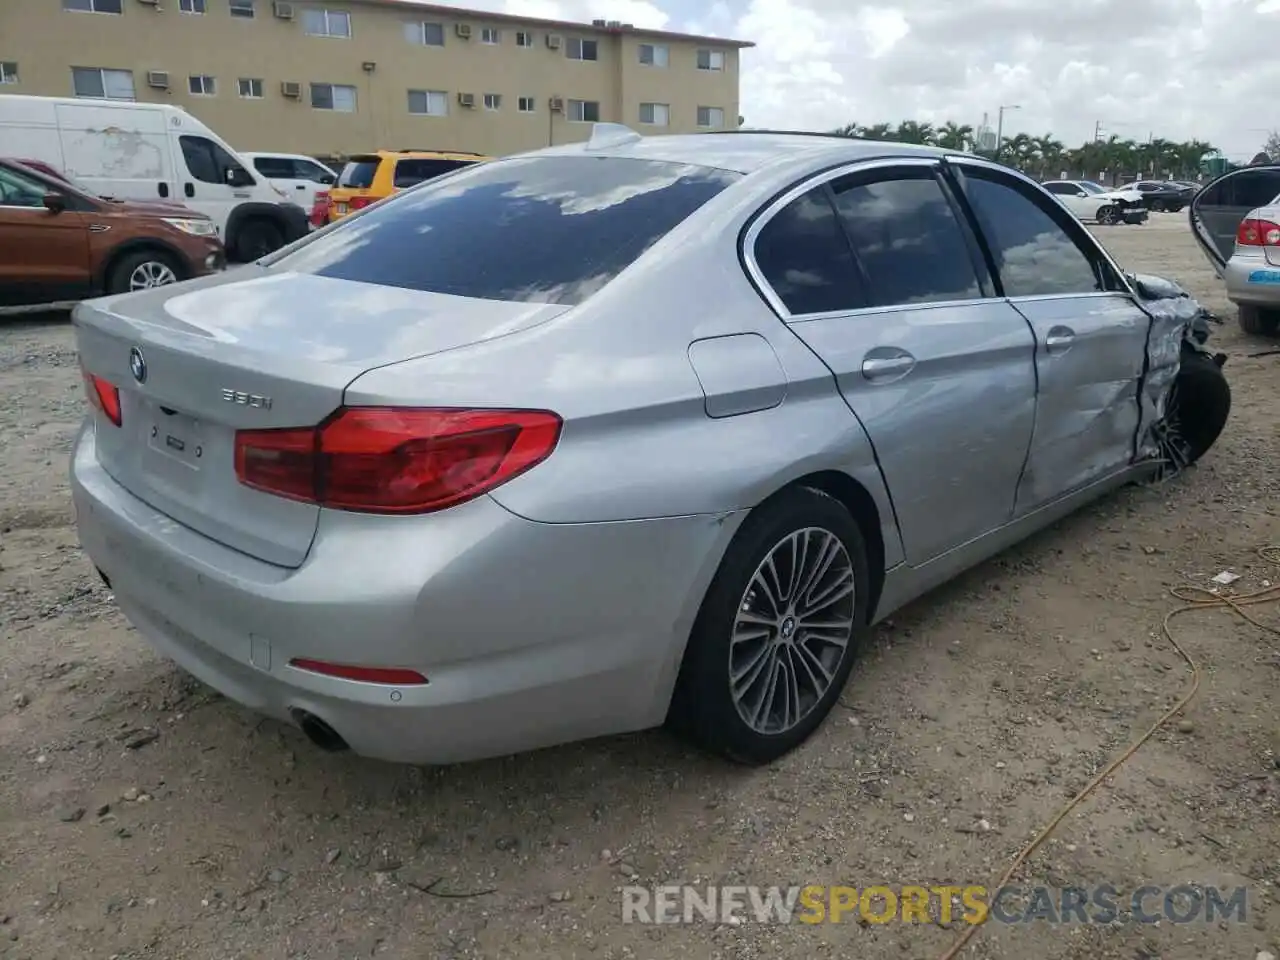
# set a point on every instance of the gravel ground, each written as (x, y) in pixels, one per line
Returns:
(141, 815)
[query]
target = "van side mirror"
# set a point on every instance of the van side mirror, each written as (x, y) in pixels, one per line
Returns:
(55, 202)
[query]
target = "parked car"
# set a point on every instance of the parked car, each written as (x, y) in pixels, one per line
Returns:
(1234, 220)
(1092, 201)
(299, 176)
(58, 242)
(1163, 195)
(153, 152)
(368, 178)
(552, 447)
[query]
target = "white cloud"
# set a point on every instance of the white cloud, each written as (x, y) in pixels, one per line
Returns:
(1175, 69)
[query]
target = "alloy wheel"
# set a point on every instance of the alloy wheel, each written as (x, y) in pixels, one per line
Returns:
(1175, 449)
(150, 274)
(793, 628)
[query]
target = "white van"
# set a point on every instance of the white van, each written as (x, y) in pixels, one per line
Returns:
(153, 151)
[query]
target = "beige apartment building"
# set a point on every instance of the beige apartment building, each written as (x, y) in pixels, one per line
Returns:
(325, 77)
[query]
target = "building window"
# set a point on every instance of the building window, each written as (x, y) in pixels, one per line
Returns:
(710, 59)
(583, 111)
(333, 96)
(490, 35)
(425, 34)
(656, 114)
(327, 23)
(654, 54)
(8, 71)
(96, 83)
(710, 117)
(202, 85)
(94, 6)
(576, 48)
(525, 104)
(524, 38)
(242, 8)
(192, 6)
(250, 88)
(492, 101)
(428, 103)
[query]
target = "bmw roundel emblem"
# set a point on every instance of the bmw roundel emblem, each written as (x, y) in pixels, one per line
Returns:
(137, 365)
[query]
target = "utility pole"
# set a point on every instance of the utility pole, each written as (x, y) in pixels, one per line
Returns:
(1097, 131)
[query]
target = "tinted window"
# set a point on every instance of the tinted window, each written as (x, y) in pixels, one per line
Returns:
(412, 171)
(358, 174)
(907, 240)
(1062, 189)
(537, 229)
(1034, 254)
(805, 257)
(279, 168)
(207, 161)
(19, 191)
(1253, 188)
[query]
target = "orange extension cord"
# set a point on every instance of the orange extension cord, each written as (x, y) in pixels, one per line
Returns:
(1194, 598)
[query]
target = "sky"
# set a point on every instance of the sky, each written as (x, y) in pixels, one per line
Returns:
(1177, 69)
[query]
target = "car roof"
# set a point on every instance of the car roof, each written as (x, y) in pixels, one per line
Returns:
(425, 155)
(744, 151)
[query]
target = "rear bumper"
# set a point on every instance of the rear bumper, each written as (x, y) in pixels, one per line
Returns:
(530, 634)
(1136, 214)
(1252, 281)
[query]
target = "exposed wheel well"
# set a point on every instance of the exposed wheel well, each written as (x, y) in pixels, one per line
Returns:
(855, 498)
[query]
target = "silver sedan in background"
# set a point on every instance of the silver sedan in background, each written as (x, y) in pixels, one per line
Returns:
(625, 432)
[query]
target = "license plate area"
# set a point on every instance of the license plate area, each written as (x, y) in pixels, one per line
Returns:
(341, 208)
(175, 440)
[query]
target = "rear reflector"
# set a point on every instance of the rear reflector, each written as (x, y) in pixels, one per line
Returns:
(1258, 233)
(103, 396)
(393, 675)
(396, 460)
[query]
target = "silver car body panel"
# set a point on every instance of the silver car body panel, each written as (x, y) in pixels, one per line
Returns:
(688, 395)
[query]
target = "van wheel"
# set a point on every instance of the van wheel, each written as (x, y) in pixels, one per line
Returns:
(1258, 320)
(777, 632)
(1196, 412)
(142, 271)
(256, 238)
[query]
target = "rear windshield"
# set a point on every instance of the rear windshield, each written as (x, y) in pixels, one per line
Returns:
(414, 170)
(358, 174)
(535, 230)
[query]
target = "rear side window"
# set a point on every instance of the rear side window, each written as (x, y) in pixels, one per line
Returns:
(534, 230)
(1253, 188)
(275, 168)
(1034, 254)
(804, 256)
(358, 175)
(415, 170)
(907, 239)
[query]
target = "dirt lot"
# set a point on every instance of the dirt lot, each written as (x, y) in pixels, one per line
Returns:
(143, 816)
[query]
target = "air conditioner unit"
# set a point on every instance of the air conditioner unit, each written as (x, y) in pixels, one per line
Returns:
(463, 30)
(556, 105)
(283, 11)
(158, 79)
(290, 88)
(467, 99)
(553, 41)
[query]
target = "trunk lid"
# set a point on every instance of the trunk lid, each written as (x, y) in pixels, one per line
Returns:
(251, 349)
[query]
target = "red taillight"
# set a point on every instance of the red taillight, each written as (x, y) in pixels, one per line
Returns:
(103, 395)
(396, 460)
(392, 675)
(320, 209)
(1258, 233)
(359, 203)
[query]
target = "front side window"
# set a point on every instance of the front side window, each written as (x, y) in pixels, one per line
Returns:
(805, 258)
(428, 103)
(583, 111)
(529, 229)
(333, 96)
(906, 239)
(327, 23)
(98, 83)
(207, 161)
(19, 191)
(576, 48)
(1035, 254)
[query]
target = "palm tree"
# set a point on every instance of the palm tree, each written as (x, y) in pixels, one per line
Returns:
(848, 130)
(909, 131)
(1050, 152)
(953, 136)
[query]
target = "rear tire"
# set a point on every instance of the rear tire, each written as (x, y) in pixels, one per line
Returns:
(1196, 411)
(1258, 321)
(256, 238)
(1156, 206)
(777, 632)
(142, 270)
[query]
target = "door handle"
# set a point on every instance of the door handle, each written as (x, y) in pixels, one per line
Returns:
(163, 189)
(1059, 339)
(300, 186)
(189, 190)
(884, 368)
